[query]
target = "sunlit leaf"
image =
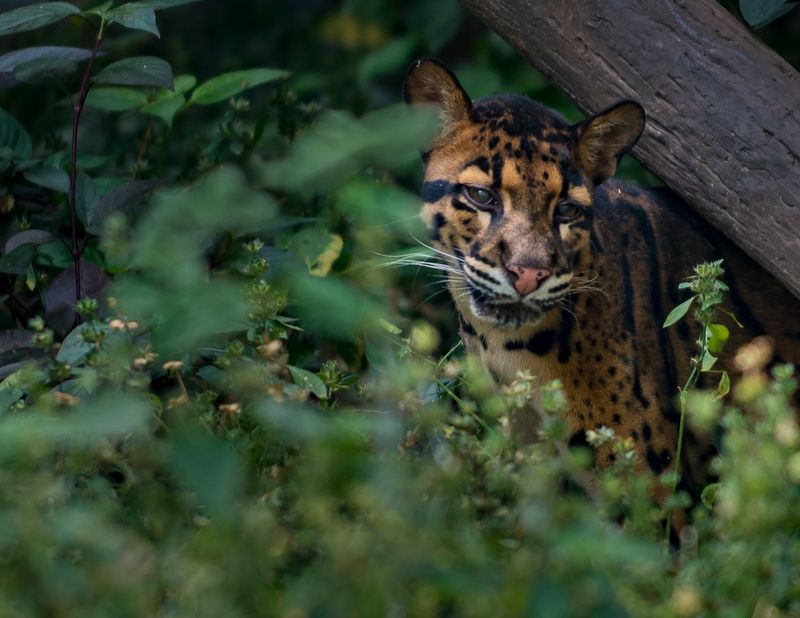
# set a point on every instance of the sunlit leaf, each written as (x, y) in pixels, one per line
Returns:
(719, 337)
(724, 386)
(678, 312)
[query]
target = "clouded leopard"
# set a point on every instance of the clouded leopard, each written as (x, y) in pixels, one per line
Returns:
(557, 269)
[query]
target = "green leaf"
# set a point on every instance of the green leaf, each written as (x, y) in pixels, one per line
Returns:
(318, 248)
(678, 312)
(135, 17)
(309, 381)
(707, 362)
(115, 98)
(17, 262)
(10, 61)
(724, 386)
(34, 16)
(158, 5)
(111, 414)
(165, 108)
(211, 468)
(44, 70)
(54, 254)
(719, 337)
(14, 136)
(49, 178)
(225, 86)
(137, 71)
(86, 198)
(709, 495)
(74, 348)
(759, 13)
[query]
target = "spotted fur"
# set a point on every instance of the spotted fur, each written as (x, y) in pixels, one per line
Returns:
(595, 323)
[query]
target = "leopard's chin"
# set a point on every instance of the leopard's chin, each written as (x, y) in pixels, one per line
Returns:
(507, 316)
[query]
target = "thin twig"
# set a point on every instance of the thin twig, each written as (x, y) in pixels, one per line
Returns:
(73, 175)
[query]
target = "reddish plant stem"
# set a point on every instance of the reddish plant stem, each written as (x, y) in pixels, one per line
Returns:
(73, 174)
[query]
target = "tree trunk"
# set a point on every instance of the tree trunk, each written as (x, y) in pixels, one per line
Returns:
(723, 126)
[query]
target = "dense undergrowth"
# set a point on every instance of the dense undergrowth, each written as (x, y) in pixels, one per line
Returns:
(253, 415)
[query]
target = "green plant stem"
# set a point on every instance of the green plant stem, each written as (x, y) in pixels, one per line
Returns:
(693, 376)
(77, 110)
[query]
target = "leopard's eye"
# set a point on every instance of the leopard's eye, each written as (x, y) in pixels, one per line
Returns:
(567, 210)
(480, 196)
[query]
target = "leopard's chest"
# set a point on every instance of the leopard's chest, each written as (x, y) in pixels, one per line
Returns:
(606, 379)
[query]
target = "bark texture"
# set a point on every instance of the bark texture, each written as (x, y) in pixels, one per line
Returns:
(723, 127)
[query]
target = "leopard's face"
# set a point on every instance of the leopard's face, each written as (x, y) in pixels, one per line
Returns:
(508, 195)
(502, 199)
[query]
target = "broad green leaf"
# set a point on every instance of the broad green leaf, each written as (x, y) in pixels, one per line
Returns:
(35, 237)
(759, 13)
(111, 414)
(17, 262)
(225, 86)
(724, 386)
(318, 248)
(211, 468)
(121, 198)
(11, 60)
(337, 146)
(48, 177)
(707, 362)
(14, 137)
(101, 10)
(135, 17)
(74, 348)
(34, 16)
(53, 254)
(719, 337)
(678, 312)
(45, 70)
(309, 381)
(165, 108)
(115, 98)
(137, 71)
(86, 198)
(158, 5)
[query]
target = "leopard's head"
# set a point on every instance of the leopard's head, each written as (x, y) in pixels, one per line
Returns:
(509, 193)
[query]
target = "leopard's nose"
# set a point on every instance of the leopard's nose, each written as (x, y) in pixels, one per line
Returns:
(525, 279)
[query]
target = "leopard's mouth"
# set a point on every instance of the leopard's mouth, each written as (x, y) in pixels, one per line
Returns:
(509, 315)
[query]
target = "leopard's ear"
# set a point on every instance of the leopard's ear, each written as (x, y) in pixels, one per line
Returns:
(605, 137)
(430, 82)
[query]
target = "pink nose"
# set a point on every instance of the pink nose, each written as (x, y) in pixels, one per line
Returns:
(527, 279)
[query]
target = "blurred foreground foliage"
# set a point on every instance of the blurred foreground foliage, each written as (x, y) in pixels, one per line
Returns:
(257, 417)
